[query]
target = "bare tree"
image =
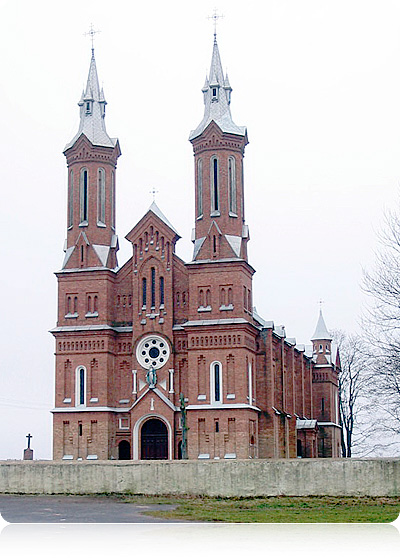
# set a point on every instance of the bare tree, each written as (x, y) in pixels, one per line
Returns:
(353, 382)
(382, 327)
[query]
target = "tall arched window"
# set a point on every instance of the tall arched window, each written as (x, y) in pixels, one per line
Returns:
(71, 199)
(153, 287)
(214, 185)
(216, 382)
(112, 199)
(199, 188)
(232, 185)
(250, 382)
(144, 292)
(83, 196)
(80, 391)
(161, 291)
(101, 197)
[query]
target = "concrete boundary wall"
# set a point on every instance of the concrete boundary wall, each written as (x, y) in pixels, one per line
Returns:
(293, 477)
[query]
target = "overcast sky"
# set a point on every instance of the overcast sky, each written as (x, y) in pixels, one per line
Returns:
(316, 82)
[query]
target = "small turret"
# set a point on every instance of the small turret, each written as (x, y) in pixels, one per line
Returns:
(322, 341)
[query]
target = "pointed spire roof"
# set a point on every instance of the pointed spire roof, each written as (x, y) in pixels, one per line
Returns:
(157, 211)
(321, 331)
(92, 123)
(217, 107)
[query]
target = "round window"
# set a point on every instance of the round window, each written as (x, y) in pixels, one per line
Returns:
(152, 351)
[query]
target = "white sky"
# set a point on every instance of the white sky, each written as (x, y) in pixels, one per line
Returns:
(317, 84)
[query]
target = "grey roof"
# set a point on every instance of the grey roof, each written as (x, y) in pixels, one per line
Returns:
(217, 108)
(303, 424)
(92, 123)
(157, 211)
(321, 331)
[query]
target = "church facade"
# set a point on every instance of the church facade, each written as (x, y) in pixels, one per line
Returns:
(162, 359)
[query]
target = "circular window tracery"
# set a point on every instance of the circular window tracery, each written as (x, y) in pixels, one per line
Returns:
(152, 350)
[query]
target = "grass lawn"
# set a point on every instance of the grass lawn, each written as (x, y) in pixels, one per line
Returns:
(275, 509)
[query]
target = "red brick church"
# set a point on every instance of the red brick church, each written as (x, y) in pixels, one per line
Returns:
(166, 359)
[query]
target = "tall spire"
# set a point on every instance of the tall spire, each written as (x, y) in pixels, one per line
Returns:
(321, 332)
(217, 98)
(92, 112)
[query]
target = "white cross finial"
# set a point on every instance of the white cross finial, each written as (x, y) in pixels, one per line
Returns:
(153, 191)
(215, 17)
(92, 32)
(321, 302)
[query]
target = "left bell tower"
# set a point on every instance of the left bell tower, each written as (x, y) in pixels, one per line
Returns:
(91, 159)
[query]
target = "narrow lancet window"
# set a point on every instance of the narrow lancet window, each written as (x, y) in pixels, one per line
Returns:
(153, 287)
(199, 188)
(71, 199)
(84, 196)
(112, 199)
(216, 387)
(232, 185)
(161, 291)
(101, 197)
(214, 185)
(80, 386)
(144, 292)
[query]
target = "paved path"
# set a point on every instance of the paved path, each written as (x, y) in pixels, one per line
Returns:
(74, 509)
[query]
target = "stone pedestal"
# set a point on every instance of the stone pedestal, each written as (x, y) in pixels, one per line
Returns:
(28, 454)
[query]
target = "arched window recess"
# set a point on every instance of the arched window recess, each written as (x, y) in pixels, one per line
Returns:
(214, 182)
(83, 197)
(101, 198)
(216, 383)
(80, 387)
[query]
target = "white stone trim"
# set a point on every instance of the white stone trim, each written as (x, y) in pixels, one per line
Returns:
(171, 372)
(92, 457)
(203, 456)
(134, 381)
(67, 457)
(222, 406)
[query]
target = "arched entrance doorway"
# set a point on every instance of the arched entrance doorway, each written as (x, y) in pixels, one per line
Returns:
(124, 450)
(154, 440)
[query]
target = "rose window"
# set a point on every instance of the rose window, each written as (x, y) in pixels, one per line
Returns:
(152, 351)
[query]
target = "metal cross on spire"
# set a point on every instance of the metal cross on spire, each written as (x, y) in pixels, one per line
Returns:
(215, 17)
(92, 32)
(153, 191)
(321, 302)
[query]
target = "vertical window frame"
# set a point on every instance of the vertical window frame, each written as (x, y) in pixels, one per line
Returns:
(232, 188)
(216, 392)
(153, 287)
(112, 200)
(71, 199)
(84, 197)
(214, 184)
(80, 386)
(101, 196)
(199, 188)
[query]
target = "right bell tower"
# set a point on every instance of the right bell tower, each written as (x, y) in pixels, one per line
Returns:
(218, 144)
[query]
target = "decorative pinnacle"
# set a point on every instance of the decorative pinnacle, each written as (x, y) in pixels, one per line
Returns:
(92, 32)
(215, 17)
